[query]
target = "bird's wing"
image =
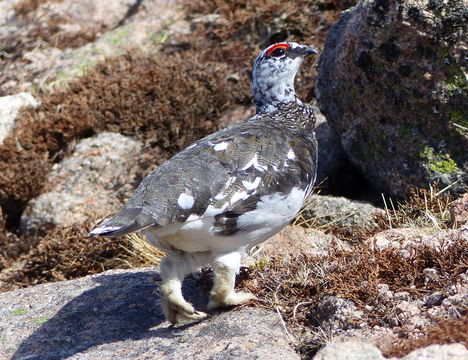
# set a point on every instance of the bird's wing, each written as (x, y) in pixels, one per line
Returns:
(223, 175)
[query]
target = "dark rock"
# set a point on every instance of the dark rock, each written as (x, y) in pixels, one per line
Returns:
(392, 84)
(434, 299)
(331, 156)
(335, 313)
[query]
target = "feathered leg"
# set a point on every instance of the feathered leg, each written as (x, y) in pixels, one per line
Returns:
(174, 267)
(225, 267)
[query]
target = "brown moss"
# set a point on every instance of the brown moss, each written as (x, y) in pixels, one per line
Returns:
(166, 101)
(65, 253)
(443, 332)
(247, 26)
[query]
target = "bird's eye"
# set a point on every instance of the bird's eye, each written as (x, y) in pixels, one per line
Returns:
(278, 52)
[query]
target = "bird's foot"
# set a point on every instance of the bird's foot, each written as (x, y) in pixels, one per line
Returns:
(232, 299)
(181, 312)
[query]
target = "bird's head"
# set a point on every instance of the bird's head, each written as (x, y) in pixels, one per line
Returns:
(273, 74)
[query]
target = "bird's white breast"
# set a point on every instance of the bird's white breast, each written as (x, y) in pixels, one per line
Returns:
(197, 234)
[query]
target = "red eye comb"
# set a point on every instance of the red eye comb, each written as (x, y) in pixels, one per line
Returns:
(284, 46)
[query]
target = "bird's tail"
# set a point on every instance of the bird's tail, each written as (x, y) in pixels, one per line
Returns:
(120, 224)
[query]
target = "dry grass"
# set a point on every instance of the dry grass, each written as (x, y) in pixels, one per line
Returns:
(139, 252)
(354, 275)
(422, 208)
(64, 253)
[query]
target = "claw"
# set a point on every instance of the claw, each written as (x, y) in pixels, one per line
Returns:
(231, 300)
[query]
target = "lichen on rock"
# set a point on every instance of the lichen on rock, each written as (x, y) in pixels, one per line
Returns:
(392, 83)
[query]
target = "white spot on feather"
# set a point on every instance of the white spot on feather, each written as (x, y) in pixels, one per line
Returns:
(220, 196)
(250, 185)
(239, 196)
(185, 201)
(212, 211)
(252, 162)
(221, 146)
(291, 155)
(229, 182)
(193, 217)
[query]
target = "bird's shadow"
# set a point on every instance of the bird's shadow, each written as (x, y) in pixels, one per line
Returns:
(123, 306)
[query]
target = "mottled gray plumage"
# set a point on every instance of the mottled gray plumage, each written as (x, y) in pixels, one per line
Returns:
(230, 190)
(202, 172)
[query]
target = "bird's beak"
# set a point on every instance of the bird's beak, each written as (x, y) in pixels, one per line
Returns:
(303, 51)
(307, 51)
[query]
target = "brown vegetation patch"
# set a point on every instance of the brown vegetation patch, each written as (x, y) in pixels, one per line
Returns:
(355, 274)
(166, 101)
(295, 284)
(26, 7)
(45, 26)
(444, 332)
(244, 27)
(65, 253)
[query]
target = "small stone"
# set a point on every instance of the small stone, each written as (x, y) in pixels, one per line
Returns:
(322, 210)
(349, 350)
(434, 299)
(10, 107)
(295, 239)
(384, 292)
(430, 275)
(402, 296)
(336, 313)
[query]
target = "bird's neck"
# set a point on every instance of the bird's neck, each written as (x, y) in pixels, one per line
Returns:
(270, 94)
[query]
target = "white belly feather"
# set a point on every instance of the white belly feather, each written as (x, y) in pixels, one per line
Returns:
(197, 234)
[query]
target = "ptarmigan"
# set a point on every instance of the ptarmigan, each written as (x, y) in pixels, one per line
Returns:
(230, 190)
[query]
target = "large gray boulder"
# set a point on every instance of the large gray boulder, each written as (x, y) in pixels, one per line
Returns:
(392, 84)
(324, 211)
(86, 184)
(331, 156)
(116, 315)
